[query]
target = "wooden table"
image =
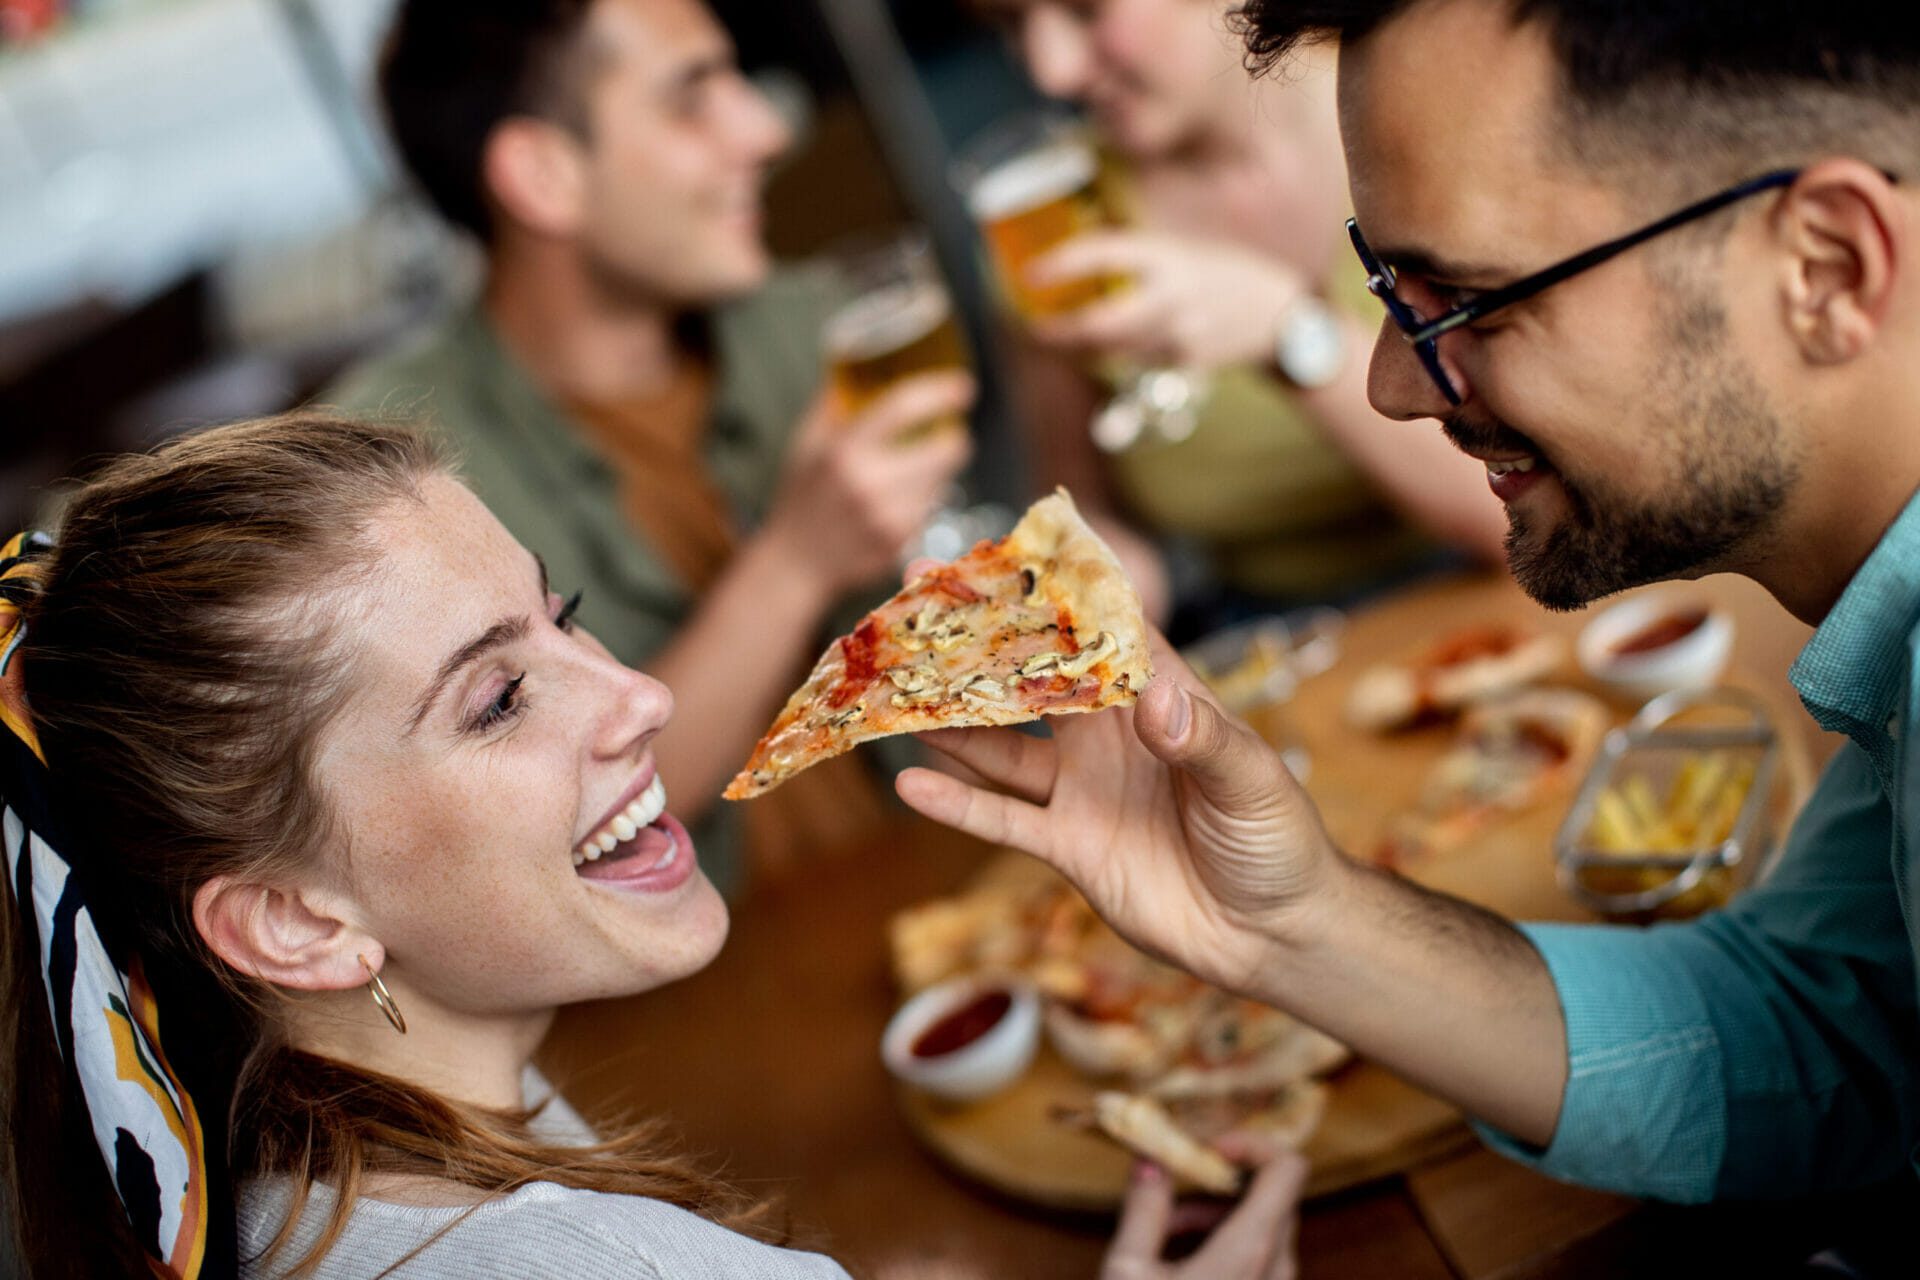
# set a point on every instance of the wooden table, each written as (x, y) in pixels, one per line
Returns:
(768, 1062)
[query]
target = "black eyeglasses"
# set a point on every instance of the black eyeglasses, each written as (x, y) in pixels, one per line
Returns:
(1423, 333)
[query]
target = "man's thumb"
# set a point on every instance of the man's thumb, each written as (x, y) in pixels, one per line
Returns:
(1192, 734)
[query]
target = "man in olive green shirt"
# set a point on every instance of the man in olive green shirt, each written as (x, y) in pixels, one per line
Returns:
(632, 394)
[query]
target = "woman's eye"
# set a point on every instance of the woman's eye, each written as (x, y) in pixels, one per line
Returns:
(504, 707)
(564, 618)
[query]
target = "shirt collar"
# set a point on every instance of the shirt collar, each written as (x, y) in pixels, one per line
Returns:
(1856, 667)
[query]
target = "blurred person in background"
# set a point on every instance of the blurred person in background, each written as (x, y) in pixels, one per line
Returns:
(1232, 192)
(637, 391)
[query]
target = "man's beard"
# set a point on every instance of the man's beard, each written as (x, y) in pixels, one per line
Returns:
(1727, 474)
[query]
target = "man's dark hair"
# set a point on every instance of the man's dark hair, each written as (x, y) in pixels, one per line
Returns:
(1713, 83)
(454, 69)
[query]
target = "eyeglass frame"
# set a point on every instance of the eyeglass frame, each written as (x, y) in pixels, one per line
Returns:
(1423, 335)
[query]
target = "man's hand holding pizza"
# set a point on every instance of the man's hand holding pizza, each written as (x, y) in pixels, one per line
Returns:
(1187, 833)
(1182, 827)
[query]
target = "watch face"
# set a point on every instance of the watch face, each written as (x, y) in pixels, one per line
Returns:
(1312, 348)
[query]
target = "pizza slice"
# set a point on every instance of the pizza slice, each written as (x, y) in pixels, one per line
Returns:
(1464, 668)
(1042, 622)
(1179, 1136)
(1509, 754)
(1145, 1127)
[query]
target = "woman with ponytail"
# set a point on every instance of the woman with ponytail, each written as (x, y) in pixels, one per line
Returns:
(317, 807)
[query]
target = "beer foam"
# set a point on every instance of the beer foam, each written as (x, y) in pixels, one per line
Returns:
(1029, 181)
(886, 320)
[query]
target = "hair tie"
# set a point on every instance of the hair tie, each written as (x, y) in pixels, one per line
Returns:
(105, 1019)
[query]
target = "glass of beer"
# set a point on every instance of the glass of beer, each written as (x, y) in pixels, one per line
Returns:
(1031, 183)
(894, 319)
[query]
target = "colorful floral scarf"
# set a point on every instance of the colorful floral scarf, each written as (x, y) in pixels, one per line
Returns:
(105, 1018)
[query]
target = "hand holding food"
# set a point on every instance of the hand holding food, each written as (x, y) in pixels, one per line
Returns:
(1254, 1242)
(1191, 302)
(853, 492)
(1183, 829)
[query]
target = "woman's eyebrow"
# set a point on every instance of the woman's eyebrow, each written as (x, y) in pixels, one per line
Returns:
(504, 632)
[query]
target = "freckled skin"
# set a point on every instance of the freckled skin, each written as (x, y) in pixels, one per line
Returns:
(460, 843)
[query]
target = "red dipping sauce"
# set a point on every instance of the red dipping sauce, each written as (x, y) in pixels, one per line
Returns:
(964, 1025)
(1660, 633)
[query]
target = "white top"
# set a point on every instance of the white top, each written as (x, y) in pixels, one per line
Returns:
(540, 1230)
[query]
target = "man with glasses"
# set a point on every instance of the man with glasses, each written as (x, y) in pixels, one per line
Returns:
(1656, 266)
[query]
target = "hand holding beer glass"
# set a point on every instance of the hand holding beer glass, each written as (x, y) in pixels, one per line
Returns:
(1032, 183)
(894, 320)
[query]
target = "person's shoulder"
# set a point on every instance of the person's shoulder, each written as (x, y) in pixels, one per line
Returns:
(545, 1221)
(431, 372)
(540, 1229)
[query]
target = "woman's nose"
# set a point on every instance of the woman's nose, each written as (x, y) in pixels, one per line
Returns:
(1057, 52)
(633, 705)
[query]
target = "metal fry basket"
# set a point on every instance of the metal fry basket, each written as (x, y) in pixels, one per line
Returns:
(1656, 746)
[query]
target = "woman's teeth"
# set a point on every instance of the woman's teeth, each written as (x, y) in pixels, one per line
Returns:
(625, 825)
(1505, 468)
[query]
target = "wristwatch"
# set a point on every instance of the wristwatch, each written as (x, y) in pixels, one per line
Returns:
(1309, 347)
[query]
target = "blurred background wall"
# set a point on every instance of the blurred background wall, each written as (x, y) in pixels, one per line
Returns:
(200, 219)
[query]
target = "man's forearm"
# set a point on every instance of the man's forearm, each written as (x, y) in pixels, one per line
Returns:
(733, 664)
(1441, 992)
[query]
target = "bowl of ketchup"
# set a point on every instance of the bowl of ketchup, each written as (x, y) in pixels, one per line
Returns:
(1656, 643)
(965, 1038)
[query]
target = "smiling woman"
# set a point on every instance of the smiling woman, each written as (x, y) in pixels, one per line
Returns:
(311, 717)
(316, 807)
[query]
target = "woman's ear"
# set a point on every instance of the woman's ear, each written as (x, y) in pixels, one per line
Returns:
(297, 938)
(535, 174)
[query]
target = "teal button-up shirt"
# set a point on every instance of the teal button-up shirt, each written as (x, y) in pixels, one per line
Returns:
(1771, 1049)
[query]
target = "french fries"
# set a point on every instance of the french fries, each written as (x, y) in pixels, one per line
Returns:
(1699, 812)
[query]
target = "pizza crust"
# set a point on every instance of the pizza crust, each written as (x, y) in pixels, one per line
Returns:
(1394, 695)
(1146, 1128)
(1508, 755)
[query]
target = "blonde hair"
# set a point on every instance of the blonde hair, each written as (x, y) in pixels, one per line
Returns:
(179, 690)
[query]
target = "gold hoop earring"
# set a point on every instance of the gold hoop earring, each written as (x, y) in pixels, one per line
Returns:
(384, 998)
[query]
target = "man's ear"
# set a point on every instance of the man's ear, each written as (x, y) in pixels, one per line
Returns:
(1841, 225)
(535, 174)
(298, 938)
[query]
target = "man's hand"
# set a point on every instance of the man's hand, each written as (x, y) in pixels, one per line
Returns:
(853, 493)
(1182, 828)
(1192, 302)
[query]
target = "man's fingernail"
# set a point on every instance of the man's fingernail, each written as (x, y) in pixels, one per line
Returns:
(1182, 715)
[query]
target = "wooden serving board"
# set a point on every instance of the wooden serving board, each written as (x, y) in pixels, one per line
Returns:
(1375, 1124)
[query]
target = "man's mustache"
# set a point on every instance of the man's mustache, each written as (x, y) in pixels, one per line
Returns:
(1487, 437)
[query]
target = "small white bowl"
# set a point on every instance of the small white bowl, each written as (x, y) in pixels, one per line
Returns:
(1696, 660)
(982, 1066)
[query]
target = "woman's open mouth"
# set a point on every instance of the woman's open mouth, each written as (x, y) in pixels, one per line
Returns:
(640, 847)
